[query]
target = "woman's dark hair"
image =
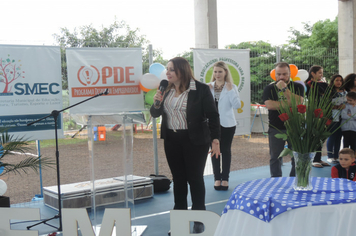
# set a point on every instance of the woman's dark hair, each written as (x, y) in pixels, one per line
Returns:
(312, 69)
(333, 78)
(349, 81)
(183, 71)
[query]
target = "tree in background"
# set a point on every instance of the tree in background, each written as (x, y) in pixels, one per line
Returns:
(315, 45)
(188, 55)
(262, 59)
(118, 34)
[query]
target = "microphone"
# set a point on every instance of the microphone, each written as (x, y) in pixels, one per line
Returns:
(162, 86)
(106, 92)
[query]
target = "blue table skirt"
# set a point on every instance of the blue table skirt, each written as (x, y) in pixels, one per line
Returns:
(267, 198)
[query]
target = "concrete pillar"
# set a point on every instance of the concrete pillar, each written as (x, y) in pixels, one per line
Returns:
(206, 24)
(347, 36)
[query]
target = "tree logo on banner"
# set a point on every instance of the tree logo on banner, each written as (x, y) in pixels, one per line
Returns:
(237, 72)
(88, 75)
(10, 70)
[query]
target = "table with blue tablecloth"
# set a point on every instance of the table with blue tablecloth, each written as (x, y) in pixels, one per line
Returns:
(272, 207)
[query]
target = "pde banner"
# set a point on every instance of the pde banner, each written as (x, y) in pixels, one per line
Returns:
(92, 70)
(30, 89)
(238, 62)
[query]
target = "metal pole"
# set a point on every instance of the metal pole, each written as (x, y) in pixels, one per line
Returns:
(154, 121)
(278, 54)
(150, 54)
(39, 154)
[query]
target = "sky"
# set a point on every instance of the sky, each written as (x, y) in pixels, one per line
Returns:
(167, 24)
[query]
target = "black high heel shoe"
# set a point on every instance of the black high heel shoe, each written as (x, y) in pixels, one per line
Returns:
(217, 187)
(224, 188)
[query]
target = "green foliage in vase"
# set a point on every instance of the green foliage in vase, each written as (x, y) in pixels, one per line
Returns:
(307, 122)
(303, 168)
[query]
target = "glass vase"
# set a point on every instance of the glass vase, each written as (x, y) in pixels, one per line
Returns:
(303, 167)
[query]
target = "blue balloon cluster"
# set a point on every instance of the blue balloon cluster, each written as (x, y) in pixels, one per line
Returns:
(156, 69)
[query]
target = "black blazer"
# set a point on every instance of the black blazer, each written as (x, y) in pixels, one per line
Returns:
(202, 116)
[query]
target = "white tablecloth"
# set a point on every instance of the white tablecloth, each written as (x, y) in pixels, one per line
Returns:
(271, 207)
(326, 220)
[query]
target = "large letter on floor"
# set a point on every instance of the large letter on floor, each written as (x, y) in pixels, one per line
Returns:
(7, 214)
(180, 222)
(72, 218)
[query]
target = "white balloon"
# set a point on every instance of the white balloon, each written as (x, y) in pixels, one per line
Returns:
(302, 74)
(163, 75)
(3, 187)
(150, 81)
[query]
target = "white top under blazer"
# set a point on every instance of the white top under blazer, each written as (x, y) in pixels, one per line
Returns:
(228, 101)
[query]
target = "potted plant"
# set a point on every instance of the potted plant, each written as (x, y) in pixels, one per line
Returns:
(9, 146)
(306, 130)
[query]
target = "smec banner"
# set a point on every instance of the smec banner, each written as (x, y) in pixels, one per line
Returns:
(30, 88)
(238, 62)
(93, 70)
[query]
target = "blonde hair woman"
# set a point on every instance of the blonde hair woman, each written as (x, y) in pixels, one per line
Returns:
(227, 99)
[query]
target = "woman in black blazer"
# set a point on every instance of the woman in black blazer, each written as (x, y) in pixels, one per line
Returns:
(190, 125)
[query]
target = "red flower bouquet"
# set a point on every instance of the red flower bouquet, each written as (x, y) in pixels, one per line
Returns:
(306, 123)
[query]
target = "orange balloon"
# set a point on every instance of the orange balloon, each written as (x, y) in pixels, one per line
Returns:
(293, 70)
(143, 88)
(273, 74)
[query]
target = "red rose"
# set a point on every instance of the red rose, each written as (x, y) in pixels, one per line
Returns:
(328, 122)
(284, 117)
(318, 113)
(302, 108)
(291, 110)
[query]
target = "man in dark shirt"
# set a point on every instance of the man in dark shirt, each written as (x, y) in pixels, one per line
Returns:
(272, 97)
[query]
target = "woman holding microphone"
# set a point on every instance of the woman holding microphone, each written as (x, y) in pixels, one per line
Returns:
(190, 126)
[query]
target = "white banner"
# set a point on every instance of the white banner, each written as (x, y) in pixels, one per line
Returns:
(239, 66)
(30, 89)
(92, 70)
